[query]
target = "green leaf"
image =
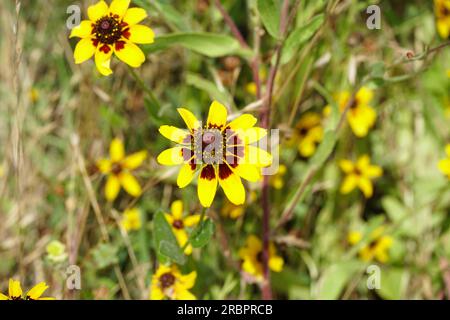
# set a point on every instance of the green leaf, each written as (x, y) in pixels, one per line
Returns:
(394, 208)
(335, 278)
(210, 87)
(299, 36)
(393, 283)
(324, 150)
(209, 44)
(165, 241)
(269, 11)
(201, 235)
(105, 255)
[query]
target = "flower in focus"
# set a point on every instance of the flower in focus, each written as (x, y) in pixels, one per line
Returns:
(251, 255)
(359, 175)
(15, 292)
(131, 220)
(442, 12)
(232, 211)
(118, 168)
(444, 164)
(377, 247)
(168, 282)
(179, 224)
(56, 251)
(277, 180)
(112, 29)
(220, 151)
(360, 116)
(308, 133)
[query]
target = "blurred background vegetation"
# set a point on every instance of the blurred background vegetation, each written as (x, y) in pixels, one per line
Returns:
(58, 118)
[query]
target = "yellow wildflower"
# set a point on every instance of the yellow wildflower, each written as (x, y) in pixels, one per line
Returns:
(277, 180)
(131, 220)
(179, 224)
(112, 29)
(221, 151)
(359, 175)
(168, 282)
(442, 12)
(118, 168)
(232, 211)
(308, 133)
(377, 248)
(15, 292)
(251, 255)
(444, 164)
(360, 116)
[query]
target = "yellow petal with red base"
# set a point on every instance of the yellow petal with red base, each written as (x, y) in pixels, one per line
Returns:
(103, 59)
(170, 157)
(129, 53)
(207, 186)
(233, 187)
(217, 116)
(83, 30)
(189, 118)
(84, 50)
(141, 34)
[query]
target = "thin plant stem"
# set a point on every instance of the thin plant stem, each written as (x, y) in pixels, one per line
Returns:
(141, 84)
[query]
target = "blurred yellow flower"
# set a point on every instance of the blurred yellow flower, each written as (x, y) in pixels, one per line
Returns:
(251, 254)
(179, 224)
(251, 86)
(360, 116)
(168, 282)
(448, 73)
(56, 251)
(444, 164)
(232, 211)
(15, 292)
(118, 168)
(377, 248)
(359, 175)
(34, 95)
(442, 12)
(221, 151)
(131, 220)
(112, 29)
(277, 180)
(308, 133)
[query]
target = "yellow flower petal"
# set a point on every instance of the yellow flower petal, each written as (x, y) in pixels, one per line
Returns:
(112, 188)
(188, 280)
(447, 150)
(192, 220)
(177, 209)
(217, 115)
(233, 187)
(103, 59)
(254, 244)
(207, 186)
(354, 237)
(364, 96)
(130, 184)
(155, 292)
(116, 150)
(374, 172)
(443, 28)
(185, 175)
(173, 133)
(97, 11)
(83, 30)
(189, 118)
(129, 53)
(248, 172)
(141, 34)
(257, 156)
(134, 16)
(276, 263)
(254, 134)
(182, 294)
(84, 50)
(119, 7)
(15, 290)
(104, 165)
(444, 166)
(350, 182)
(134, 160)
(306, 147)
(366, 187)
(243, 122)
(3, 297)
(170, 157)
(36, 292)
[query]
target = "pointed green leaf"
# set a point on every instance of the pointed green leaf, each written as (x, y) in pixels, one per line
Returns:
(201, 236)
(269, 11)
(165, 241)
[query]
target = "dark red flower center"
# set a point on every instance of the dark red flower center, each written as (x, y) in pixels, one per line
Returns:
(167, 280)
(178, 224)
(116, 168)
(109, 30)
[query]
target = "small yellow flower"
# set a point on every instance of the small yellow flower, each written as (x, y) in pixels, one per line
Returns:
(308, 133)
(360, 116)
(131, 220)
(277, 180)
(251, 86)
(168, 282)
(444, 164)
(179, 224)
(118, 168)
(221, 151)
(232, 211)
(442, 12)
(251, 256)
(15, 292)
(33, 95)
(359, 175)
(56, 251)
(112, 29)
(377, 248)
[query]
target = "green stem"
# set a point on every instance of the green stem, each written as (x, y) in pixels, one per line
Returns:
(149, 92)
(197, 229)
